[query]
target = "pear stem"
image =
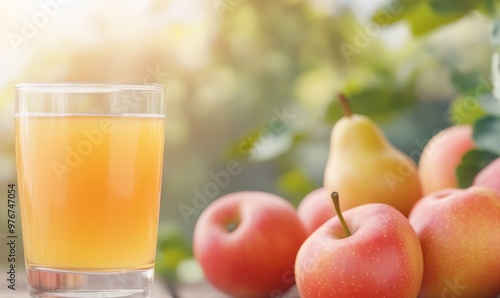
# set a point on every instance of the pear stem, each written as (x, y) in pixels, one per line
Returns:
(335, 199)
(345, 104)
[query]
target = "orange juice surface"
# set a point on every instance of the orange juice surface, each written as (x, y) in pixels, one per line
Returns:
(89, 188)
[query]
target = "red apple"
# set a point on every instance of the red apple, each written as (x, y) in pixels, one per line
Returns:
(382, 257)
(246, 243)
(315, 209)
(489, 176)
(460, 235)
(441, 156)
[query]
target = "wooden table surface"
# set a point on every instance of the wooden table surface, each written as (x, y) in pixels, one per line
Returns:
(199, 290)
(160, 290)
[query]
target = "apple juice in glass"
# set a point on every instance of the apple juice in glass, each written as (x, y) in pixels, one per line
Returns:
(89, 160)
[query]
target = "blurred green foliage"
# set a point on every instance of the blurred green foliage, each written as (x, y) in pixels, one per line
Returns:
(487, 133)
(287, 55)
(472, 163)
(423, 16)
(326, 54)
(173, 248)
(466, 110)
(486, 136)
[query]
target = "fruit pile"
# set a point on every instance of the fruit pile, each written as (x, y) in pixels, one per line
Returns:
(396, 230)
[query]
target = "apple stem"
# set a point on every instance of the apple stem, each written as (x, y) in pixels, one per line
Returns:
(345, 104)
(335, 199)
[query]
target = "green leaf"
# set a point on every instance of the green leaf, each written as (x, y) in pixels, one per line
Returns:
(488, 8)
(487, 134)
(171, 234)
(172, 247)
(423, 19)
(168, 259)
(490, 104)
(466, 110)
(425, 16)
(470, 83)
(451, 6)
(266, 142)
(472, 162)
(379, 103)
(394, 11)
(295, 183)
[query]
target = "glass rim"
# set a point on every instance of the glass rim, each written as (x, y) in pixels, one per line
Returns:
(87, 87)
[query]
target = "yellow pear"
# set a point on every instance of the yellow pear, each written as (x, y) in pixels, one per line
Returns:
(365, 168)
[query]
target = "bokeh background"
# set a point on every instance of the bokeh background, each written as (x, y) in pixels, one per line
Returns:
(253, 82)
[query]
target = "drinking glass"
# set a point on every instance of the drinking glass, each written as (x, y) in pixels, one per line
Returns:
(89, 167)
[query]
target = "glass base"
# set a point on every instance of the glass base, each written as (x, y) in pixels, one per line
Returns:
(49, 283)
